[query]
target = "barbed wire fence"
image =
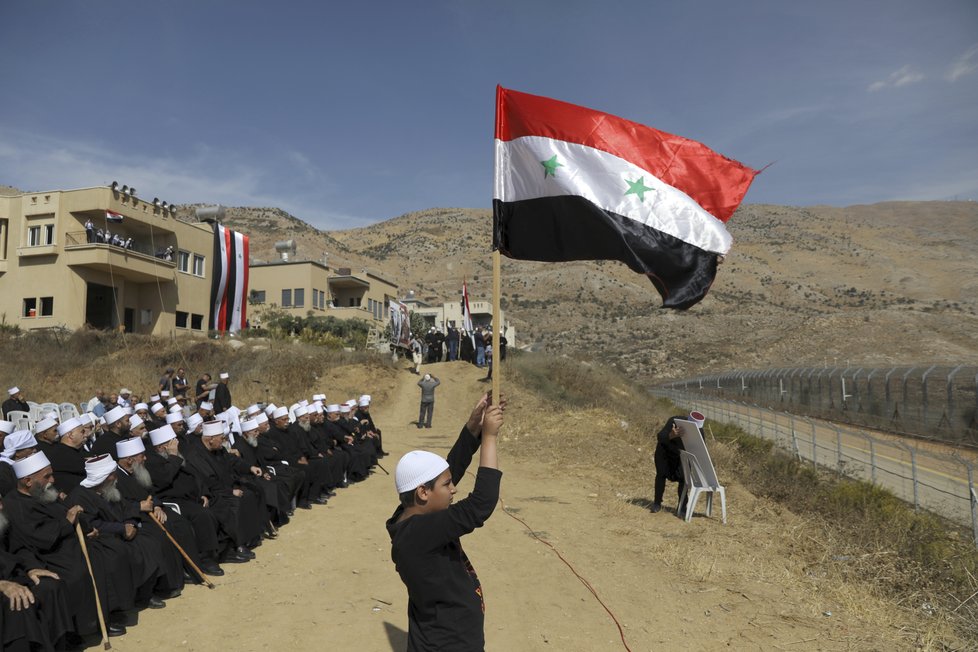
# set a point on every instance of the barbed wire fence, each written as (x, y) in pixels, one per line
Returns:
(935, 481)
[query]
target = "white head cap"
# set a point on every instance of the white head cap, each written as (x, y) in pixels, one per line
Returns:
(141, 406)
(224, 375)
(333, 407)
(417, 468)
(248, 425)
(45, 424)
(157, 407)
(261, 418)
(212, 428)
(162, 435)
(174, 417)
(300, 411)
(280, 412)
(193, 421)
(135, 421)
(7, 427)
(69, 425)
(17, 441)
(114, 415)
(206, 405)
(270, 408)
(13, 390)
(129, 447)
(97, 469)
(30, 465)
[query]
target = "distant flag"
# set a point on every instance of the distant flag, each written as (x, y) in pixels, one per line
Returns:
(466, 311)
(113, 217)
(229, 284)
(572, 183)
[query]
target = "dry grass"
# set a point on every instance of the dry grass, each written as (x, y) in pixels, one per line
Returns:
(845, 543)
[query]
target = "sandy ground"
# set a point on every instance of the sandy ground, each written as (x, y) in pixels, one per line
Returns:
(328, 583)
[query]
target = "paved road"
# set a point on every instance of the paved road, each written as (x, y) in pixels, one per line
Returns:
(926, 474)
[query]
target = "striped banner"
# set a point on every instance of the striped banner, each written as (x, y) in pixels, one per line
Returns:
(229, 284)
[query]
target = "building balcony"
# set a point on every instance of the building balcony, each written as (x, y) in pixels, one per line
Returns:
(125, 263)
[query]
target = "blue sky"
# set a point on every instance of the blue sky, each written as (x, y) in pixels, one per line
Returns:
(346, 114)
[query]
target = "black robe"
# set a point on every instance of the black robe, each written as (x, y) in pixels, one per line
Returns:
(106, 442)
(172, 483)
(13, 405)
(8, 479)
(359, 466)
(68, 465)
(42, 625)
(222, 398)
(42, 532)
(277, 492)
(242, 518)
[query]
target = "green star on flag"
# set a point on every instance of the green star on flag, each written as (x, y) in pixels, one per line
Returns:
(550, 166)
(637, 188)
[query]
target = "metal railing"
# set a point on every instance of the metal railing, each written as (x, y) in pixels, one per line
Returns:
(932, 480)
(929, 401)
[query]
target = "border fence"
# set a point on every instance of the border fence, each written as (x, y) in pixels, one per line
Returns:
(939, 482)
(929, 401)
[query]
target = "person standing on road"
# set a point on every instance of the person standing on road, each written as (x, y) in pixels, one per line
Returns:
(446, 609)
(427, 385)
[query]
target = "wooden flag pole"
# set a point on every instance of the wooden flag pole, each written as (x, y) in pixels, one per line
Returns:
(497, 324)
(91, 574)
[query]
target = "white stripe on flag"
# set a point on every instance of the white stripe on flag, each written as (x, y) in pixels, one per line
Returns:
(234, 321)
(220, 268)
(601, 178)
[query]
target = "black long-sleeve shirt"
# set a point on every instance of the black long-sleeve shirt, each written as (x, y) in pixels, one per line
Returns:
(445, 605)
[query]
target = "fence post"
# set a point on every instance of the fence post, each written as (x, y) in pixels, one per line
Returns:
(972, 495)
(838, 448)
(794, 438)
(872, 457)
(814, 448)
(913, 470)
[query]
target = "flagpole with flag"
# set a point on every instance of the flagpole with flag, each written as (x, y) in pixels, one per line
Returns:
(572, 183)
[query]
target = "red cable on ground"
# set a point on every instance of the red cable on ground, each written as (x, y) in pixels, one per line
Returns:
(587, 584)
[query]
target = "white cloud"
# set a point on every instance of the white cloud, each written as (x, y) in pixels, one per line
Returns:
(966, 64)
(205, 175)
(902, 77)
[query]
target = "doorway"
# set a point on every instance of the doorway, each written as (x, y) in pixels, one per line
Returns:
(100, 306)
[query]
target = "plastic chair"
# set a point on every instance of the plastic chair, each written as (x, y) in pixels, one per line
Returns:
(694, 484)
(21, 420)
(68, 411)
(35, 411)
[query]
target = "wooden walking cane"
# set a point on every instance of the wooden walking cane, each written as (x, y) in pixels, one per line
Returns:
(186, 557)
(91, 573)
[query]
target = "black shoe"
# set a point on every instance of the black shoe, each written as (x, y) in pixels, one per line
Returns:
(155, 603)
(212, 569)
(305, 505)
(115, 630)
(243, 551)
(655, 508)
(169, 595)
(428, 426)
(235, 558)
(320, 501)
(330, 494)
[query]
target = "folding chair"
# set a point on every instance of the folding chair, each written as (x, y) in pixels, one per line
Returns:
(21, 420)
(35, 411)
(694, 484)
(68, 411)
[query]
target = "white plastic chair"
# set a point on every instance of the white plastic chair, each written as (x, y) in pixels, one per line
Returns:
(21, 420)
(68, 411)
(35, 411)
(695, 484)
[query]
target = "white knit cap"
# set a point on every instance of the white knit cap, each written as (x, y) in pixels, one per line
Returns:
(135, 421)
(97, 469)
(270, 408)
(280, 412)
(141, 406)
(213, 428)
(363, 402)
(171, 401)
(300, 411)
(319, 397)
(114, 415)
(333, 407)
(13, 390)
(417, 468)
(69, 425)
(697, 418)
(162, 435)
(155, 398)
(45, 424)
(7, 427)
(206, 405)
(261, 418)
(157, 407)
(253, 409)
(129, 447)
(345, 407)
(174, 417)
(30, 465)
(365, 397)
(175, 409)
(248, 425)
(165, 394)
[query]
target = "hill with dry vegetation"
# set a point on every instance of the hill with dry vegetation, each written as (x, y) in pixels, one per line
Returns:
(877, 284)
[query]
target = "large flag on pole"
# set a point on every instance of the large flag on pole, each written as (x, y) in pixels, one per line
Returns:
(229, 284)
(572, 183)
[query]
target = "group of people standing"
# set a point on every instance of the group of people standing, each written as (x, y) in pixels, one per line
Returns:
(114, 490)
(456, 344)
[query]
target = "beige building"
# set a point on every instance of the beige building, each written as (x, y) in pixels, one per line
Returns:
(303, 287)
(450, 314)
(55, 272)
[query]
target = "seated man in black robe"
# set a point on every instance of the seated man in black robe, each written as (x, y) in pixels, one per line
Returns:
(367, 424)
(68, 455)
(15, 403)
(42, 527)
(174, 483)
(278, 492)
(34, 612)
(116, 429)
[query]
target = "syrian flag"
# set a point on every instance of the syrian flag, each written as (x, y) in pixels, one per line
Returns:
(113, 217)
(466, 311)
(576, 184)
(229, 280)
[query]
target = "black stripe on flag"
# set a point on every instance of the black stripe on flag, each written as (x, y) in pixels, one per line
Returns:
(569, 227)
(215, 277)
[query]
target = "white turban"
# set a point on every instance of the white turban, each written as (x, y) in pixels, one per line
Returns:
(97, 469)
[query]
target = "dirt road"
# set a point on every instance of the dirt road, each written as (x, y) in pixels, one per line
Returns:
(328, 583)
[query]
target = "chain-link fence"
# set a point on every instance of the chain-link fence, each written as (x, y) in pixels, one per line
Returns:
(941, 483)
(930, 401)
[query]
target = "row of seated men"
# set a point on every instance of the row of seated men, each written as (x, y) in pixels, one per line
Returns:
(126, 483)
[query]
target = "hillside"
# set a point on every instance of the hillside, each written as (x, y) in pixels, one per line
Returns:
(877, 284)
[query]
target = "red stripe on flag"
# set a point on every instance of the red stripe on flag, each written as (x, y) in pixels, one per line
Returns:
(244, 285)
(222, 315)
(715, 182)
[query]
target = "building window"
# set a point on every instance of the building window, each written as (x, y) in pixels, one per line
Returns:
(48, 234)
(183, 261)
(286, 298)
(30, 308)
(196, 322)
(257, 296)
(298, 298)
(181, 319)
(34, 236)
(355, 301)
(198, 265)
(47, 306)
